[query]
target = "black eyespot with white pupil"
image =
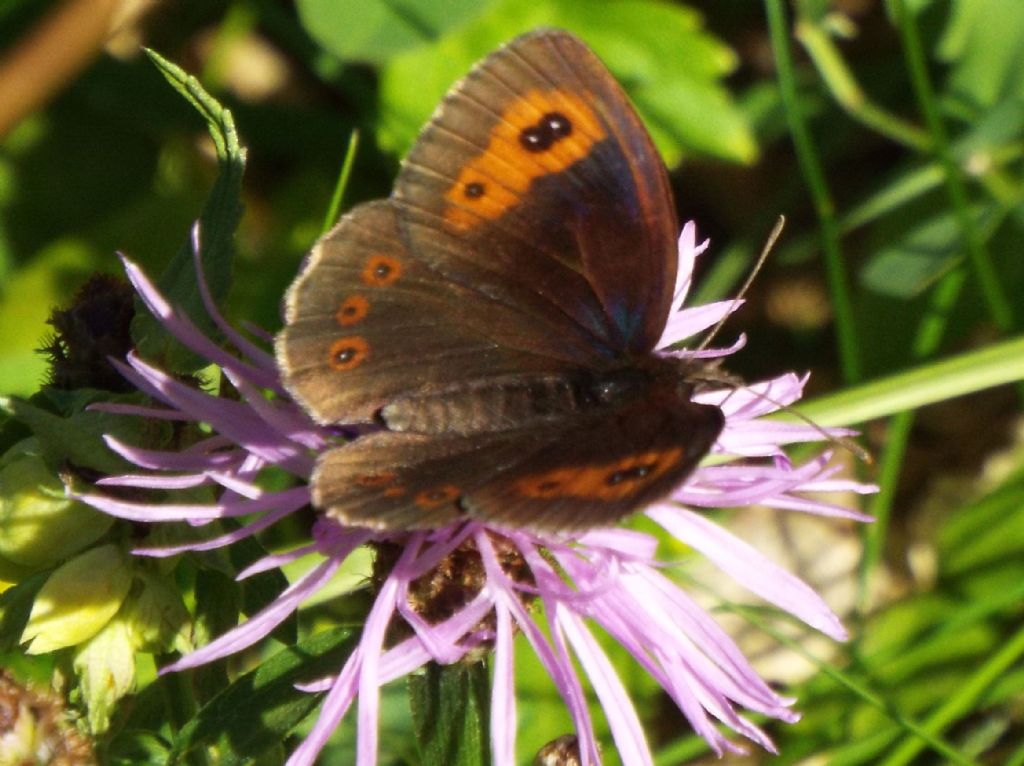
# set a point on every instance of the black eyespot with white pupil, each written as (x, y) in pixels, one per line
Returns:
(474, 190)
(628, 474)
(552, 127)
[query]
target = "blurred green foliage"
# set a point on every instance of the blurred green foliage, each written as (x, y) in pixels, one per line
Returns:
(922, 197)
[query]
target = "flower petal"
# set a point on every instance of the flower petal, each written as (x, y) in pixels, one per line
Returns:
(749, 568)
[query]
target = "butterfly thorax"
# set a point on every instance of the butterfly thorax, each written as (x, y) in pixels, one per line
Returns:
(509, 403)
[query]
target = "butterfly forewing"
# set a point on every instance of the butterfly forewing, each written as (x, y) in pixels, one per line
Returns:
(367, 322)
(538, 165)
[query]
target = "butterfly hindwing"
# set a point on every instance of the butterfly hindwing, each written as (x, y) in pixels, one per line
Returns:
(563, 476)
(603, 467)
(391, 480)
(536, 175)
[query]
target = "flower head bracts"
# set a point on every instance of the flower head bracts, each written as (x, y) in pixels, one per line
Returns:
(552, 590)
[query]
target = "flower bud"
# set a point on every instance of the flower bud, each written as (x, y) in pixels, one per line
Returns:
(564, 751)
(39, 526)
(78, 600)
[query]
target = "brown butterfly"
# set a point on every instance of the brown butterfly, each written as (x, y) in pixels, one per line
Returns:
(498, 314)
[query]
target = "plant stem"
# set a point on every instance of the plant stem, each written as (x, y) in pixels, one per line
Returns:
(810, 165)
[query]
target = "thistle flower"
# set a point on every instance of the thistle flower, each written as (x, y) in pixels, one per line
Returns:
(443, 594)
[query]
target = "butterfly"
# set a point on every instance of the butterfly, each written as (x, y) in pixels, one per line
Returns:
(497, 314)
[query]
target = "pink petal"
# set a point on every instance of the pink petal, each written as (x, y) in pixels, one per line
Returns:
(182, 328)
(235, 338)
(265, 521)
(336, 704)
(749, 568)
(627, 731)
(503, 694)
(260, 624)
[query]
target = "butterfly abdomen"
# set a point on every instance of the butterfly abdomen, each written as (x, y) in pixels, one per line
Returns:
(512, 403)
(500, 404)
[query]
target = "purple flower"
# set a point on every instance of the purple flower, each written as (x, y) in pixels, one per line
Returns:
(606, 577)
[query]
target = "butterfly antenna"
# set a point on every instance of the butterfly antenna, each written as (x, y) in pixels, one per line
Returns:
(840, 441)
(845, 442)
(768, 245)
(736, 385)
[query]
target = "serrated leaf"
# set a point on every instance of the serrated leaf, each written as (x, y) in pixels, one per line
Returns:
(666, 61)
(78, 438)
(217, 222)
(372, 31)
(451, 713)
(262, 707)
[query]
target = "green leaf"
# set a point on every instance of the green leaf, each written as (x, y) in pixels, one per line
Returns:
(216, 612)
(78, 437)
(39, 524)
(986, 531)
(78, 600)
(451, 713)
(260, 590)
(670, 66)
(15, 608)
(913, 262)
(672, 69)
(139, 748)
(983, 42)
(105, 666)
(218, 221)
(259, 709)
(372, 31)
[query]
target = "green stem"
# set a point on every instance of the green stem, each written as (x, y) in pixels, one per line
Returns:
(994, 365)
(998, 304)
(849, 347)
(897, 438)
(963, 701)
(926, 343)
(331, 217)
(847, 92)
(923, 735)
